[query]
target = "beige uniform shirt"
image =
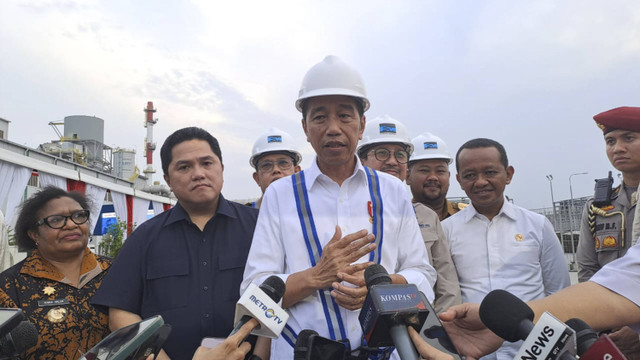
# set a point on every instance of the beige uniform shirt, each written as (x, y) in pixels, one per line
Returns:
(447, 288)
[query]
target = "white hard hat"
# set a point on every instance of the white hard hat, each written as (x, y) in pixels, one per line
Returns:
(274, 141)
(429, 146)
(385, 129)
(332, 76)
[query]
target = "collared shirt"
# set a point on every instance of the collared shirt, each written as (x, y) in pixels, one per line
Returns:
(517, 251)
(278, 244)
(192, 278)
(592, 256)
(623, 276)
(447, 288)
(67, 324)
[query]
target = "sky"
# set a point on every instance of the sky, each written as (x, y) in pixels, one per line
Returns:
(529, 74)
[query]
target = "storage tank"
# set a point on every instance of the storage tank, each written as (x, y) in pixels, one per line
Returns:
(124, 163)
(82, 127)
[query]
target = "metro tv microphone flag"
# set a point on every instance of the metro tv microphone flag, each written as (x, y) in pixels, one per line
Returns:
(512, 319)
(261, 303)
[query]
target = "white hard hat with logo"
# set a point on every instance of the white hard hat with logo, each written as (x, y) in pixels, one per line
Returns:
(428, 146)
(385, 129)
(332, 76)
(274, 141)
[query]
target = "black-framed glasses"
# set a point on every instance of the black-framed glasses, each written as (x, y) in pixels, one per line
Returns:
(383, 154)
(59, 221)
(283, 164)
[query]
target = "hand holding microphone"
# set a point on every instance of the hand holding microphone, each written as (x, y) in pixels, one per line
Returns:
(512, 319)
(387, 311)
(261, 303)
(233, 348)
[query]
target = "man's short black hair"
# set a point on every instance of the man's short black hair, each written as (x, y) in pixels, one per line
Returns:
(28, 218)
(483, 143)
(359, 107)
(182, 135)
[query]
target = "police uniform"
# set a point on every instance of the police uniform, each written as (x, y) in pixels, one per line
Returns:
(606, 232)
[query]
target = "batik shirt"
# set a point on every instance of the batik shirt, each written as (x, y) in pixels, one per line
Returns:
(68, 326)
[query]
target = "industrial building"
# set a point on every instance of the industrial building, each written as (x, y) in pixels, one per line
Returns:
(80, 160)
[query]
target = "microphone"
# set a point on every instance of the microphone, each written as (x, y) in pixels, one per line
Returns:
(512, 319)
(18, 340)
(590, 347)
(303, 343)
(261, 303)
(311, 346)
(388, 310)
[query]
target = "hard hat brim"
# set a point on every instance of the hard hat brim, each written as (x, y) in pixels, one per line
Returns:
(332, 91)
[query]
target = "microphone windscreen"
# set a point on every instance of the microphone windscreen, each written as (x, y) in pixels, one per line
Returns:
(24, 336)
(376, 274)
(301, 350)
(585, 335)
(503, 313)
(274, 287)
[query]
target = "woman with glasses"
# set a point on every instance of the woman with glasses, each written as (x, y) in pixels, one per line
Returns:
(54, 284)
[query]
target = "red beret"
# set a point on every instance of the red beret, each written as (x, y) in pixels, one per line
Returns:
(621, 118)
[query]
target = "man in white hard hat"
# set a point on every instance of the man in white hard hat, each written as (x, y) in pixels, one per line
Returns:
(320, 228)
(385, 146)
(429, 175)
(274, 157)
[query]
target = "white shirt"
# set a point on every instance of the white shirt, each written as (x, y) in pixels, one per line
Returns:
(278, 244)
(517, 251)
(623, 276)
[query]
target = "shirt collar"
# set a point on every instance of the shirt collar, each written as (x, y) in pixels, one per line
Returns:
(508, 210)
(313, 174)
(37, 266)
(178, 213)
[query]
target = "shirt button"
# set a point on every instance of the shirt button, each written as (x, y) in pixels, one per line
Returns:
(205, 288)
(204, 263)
(206, 316)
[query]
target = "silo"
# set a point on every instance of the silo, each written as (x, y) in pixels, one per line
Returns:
(82, 127)
(124, 163)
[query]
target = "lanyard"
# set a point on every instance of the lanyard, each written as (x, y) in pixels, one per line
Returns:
(314, 248)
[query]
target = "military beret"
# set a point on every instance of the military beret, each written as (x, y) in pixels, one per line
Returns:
(621, 118)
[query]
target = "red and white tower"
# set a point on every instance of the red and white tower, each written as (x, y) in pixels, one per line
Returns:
(150, 146)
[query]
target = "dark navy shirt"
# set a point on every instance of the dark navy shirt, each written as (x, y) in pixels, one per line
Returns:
(192, 278)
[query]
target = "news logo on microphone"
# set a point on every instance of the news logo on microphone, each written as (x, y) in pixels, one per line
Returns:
(257, 304)
(547, 340)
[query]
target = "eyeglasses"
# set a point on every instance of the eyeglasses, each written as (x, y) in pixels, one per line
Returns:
(283, 164)
(59, 221)
(383, 154)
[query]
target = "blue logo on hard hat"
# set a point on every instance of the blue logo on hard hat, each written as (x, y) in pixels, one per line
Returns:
(274, 138)
(387, 128)
(430, 145)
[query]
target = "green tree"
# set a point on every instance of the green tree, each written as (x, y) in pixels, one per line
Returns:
(112, 240)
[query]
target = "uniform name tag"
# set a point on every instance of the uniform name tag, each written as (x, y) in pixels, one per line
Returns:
(56, 302)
